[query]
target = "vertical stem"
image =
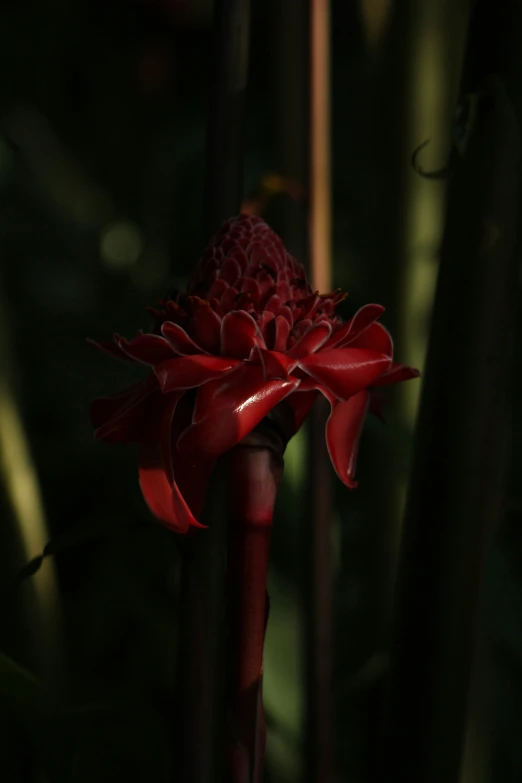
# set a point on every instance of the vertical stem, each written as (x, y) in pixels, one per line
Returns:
(254, 474)
(320, 187)
(204, 554)
(319, 600)
(454, 491)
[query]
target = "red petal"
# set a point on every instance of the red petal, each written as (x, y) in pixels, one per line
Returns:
(343, 431)
(179, 340)
(230, 271)
(311, 340)
(375, 337)
(277, 365)
(345, 371)
(121, 418)
(301, 404)
(111, 349)
(278, 330)
(186, 372)
(217, 288)
(159, 488)
(239, 334)
(207, 324)
(146, 348)
(363, 318)
(396, 374)
(228, 409)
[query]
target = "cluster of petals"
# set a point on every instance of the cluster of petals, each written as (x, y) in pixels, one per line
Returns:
(248, 334)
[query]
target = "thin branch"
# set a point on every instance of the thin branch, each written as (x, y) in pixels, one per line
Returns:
(318, 617)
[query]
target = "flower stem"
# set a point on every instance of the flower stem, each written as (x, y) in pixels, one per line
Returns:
(254, 473)
(203, 555)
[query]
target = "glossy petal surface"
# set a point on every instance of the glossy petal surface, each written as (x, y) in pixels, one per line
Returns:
(343, 431)
(157, 480)
(228, 409)
(345, 371)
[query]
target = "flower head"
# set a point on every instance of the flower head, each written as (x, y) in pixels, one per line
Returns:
(248, 334)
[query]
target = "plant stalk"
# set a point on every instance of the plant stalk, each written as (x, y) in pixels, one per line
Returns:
(254, 474)
(318, 538)
(457, 475)
(203, 555)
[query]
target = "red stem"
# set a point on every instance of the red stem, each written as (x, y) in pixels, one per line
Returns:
(254, 476)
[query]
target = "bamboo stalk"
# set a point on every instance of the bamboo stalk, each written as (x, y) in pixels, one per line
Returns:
(456, 479)
(202, 588)
(318, 616)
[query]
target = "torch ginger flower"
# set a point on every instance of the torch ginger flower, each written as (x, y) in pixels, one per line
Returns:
(249, 334)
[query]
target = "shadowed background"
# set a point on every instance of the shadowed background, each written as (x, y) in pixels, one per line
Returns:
(102, 138)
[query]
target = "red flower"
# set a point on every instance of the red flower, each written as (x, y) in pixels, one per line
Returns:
(248, 334)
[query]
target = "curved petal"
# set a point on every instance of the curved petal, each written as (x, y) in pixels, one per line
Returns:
(301, 404)
(345, 371)
(343, 431)
(239, 334)
(186, 372)
(228, 409)
(278, 331)
(179, 340)
(111, 349)
(207, 324)
(311, 340)
(158, 485)
(396, 374)
(364, 317)
(375, 338)
(122, 417)
(145, 348)
(276, 365)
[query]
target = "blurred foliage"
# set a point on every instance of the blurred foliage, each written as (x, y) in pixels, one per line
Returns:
(102, 122)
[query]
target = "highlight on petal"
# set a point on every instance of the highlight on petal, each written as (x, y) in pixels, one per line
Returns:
(186, 372)
(228, 409)
(311, 340)
(157, 480)
(179, 340)
(239, 334)
(343, 431)
(146, 348)
(345, 371)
